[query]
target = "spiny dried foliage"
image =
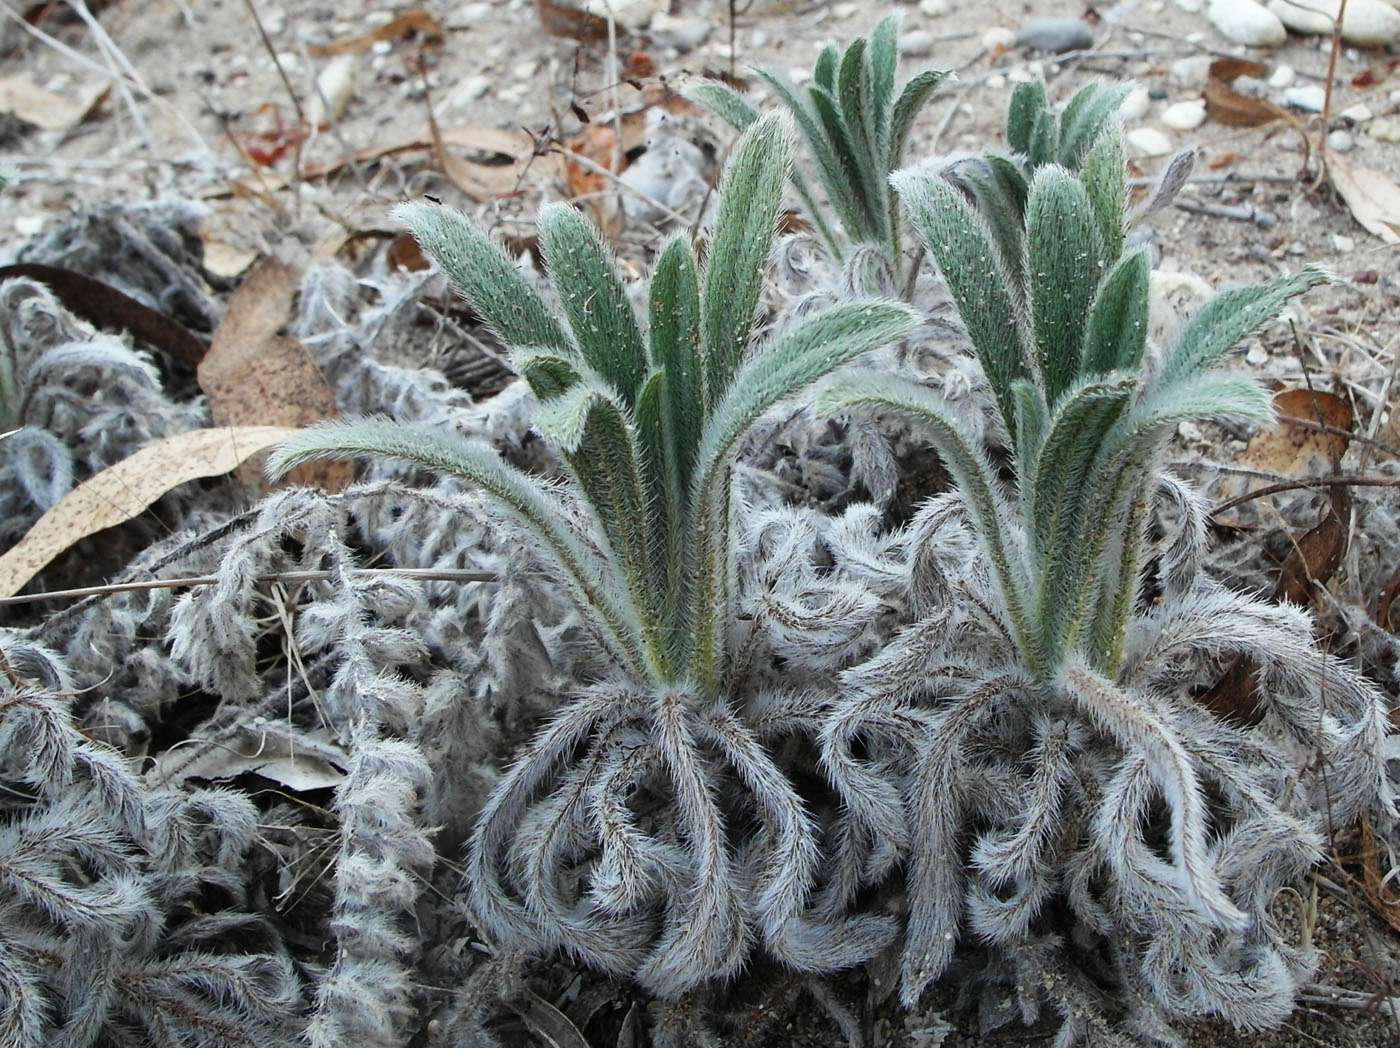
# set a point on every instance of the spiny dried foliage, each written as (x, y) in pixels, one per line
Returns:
(1030, 748)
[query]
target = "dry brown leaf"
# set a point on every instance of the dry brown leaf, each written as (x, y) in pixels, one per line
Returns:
(124, 491)
(46, 110)
(561, 19)
(253, 375)
(1227, 106)
(1295, 447)
(417, 21)
(1370, 195)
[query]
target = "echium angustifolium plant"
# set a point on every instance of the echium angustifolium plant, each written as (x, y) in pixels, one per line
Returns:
(855, 124)
(617, 835)
(1030, 746)
(105, 890)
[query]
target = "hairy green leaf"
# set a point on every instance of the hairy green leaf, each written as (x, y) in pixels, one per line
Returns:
(1104, 176)
(749, 195)
(1116, 333)
(1064, 263)
(487, 277)
(723, 100)
(532, 502)
(958, 240)
(585, 276)
(1218, 325)
(1026, 106)
(676, 350)
(1086, 115)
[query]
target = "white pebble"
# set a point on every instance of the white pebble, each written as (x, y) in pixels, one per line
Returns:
(1245, 22)
(629, 14)
(1135, 106)
(1148, 141)
(29, 225)
(1189, 6)
(1370, 23)
(1282, 76)
(524, 70)
(995, 82)
(335, 86)
(469, 13)
(1344, 245)
(1340, 141)
(999, 38)
(846, 10)
(1358, 113)
(273, 20)
(1193, 71)
(933, 8)
(916, 44)
(1257, 356)
(1308, 97)
(1383, 129)
(684, 33)
(1184, 116)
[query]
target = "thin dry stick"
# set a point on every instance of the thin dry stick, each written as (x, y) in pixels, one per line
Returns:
(1305, 482)
(296, 104)
(421, 574)
(1327, 90)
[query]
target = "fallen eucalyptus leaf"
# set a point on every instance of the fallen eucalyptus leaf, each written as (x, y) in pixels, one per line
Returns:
(124, 491)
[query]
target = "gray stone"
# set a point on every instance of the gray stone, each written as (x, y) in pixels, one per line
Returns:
(916, 44)
(1340, 141)
(1055, 35)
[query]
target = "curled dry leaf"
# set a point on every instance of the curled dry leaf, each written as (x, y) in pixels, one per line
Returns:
(1225, 105)
(1370, 195)
(124, 491)
(567, 20)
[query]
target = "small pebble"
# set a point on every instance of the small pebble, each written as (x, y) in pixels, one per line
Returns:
(684, 34)
(1257, 356)
(1307, 97)
(1191, 7)
(846, 10)
(1148, 141)
(273, 20)
(29, 225)
(916, 44)
(1282, 76)
(469, 13)
(1340, 141)
(1365, 276)
(524, 70)
(1158, 94)
(471, 89)
(1135, 106)
(1343, 245)
(1383, 129)
(1357, 114)
(998, 39)
(1193, 71)
(1245, 22)
(335, 86)
(1055, 35)
(933, 8)
(1184, 116)
(995, 82)
(1022, 75)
